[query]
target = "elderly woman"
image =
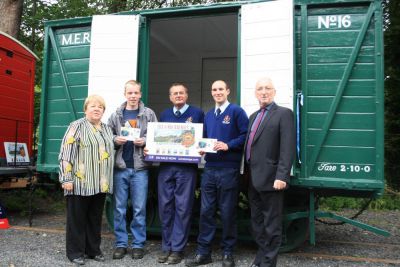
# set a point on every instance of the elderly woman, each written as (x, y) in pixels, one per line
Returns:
(86, 172)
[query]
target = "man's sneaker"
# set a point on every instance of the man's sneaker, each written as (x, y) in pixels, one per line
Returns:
(175, 258)
(199, 260)
(137, 253)
(162, 258)
(119, 253)
(228, 261)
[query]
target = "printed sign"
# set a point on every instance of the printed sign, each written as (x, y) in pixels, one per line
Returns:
(16, 153)
(130, 133)
(173, 142)
(207, 145)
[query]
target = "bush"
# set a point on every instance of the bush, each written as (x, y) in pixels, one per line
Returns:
(43, 200)
(389, 201)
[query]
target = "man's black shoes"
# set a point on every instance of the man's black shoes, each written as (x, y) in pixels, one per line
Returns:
(175, 257)
(137, 253)
(119, 253)
(163, 257)
(228, 261)
(199, 260)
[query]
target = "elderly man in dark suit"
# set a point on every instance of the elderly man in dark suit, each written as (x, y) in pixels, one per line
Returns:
(269, 153)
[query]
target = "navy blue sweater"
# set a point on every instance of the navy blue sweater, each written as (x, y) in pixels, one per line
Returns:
(229, 127)
(192, 114)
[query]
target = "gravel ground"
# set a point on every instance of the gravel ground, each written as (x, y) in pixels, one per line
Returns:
(20, 247)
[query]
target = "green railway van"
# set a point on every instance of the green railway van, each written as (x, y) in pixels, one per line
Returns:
(324, 56)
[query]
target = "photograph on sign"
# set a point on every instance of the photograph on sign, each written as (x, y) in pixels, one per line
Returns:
(16, 153)
(131, 134)
(207, 145)
(173, 142)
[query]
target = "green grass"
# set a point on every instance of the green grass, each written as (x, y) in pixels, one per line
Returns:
(389, 201)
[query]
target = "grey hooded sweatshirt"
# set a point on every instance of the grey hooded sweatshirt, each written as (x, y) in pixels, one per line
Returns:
(115, 121)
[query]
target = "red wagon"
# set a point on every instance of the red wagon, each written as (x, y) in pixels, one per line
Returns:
(17, 80)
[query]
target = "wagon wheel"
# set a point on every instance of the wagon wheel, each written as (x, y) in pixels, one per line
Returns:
(294, 234)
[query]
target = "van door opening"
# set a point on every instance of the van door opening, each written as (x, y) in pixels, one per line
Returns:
(194, 51)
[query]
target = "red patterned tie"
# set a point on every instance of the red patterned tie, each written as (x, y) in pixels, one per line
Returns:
(253, 131)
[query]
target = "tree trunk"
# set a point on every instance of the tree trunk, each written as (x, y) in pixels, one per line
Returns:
(118, 6)
(10, 14)
(34, 26)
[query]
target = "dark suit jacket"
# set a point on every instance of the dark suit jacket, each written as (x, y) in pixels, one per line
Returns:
(273, 148)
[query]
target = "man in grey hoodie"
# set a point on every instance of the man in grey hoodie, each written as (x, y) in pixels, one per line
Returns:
(130, 174)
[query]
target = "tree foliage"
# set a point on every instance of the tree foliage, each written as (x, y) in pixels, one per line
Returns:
(392, 92)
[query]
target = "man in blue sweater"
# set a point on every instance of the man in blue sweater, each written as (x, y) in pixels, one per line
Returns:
(176, 183)
(220, 180)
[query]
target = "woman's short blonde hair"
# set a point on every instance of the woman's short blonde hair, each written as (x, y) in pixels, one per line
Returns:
(94, 98)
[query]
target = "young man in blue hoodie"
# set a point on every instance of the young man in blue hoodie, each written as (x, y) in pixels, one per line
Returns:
(220, 180)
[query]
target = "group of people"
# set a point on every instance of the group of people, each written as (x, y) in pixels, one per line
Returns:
(95, 160)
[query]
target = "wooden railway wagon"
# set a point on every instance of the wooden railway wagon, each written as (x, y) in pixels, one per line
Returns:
(325, 57)
(17, 81)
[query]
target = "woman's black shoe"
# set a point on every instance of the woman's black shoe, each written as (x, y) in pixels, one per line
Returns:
(99, 258)
(79, 261)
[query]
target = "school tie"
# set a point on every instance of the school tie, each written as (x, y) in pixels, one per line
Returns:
(178, 113)
(253, 131)
(218, 112)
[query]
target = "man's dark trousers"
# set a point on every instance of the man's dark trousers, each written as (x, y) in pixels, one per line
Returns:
(176, 185)
(266, 219)
(219, 189)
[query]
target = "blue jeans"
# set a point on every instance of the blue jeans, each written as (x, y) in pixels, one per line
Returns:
(219, 189)
(130, 183)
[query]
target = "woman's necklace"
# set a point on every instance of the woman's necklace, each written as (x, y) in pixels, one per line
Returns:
(96, 125)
